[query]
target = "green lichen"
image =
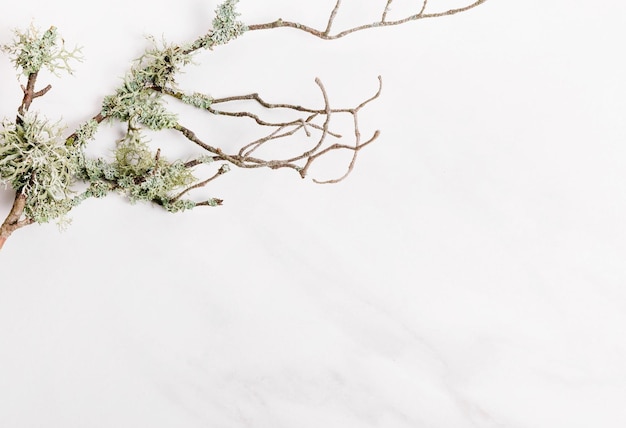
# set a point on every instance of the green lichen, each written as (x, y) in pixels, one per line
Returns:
(139, 174)
(35, 161)
(159, 65)
(98, 189)
(197, 100)
(133, 157)
(38, 162)
(30, 51)
(179, 205)
(226, 27)
(205, 159)
(85, 133)
(134, 102)
(139, 99)
(158, 184)
(213, 202)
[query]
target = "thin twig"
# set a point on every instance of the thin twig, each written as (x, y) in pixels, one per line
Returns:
(221, 171)
(387, 8)
(421, 12)
(331, 19)
(383, 22)
(301, 162)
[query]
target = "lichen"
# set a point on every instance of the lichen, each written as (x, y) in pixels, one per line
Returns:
(197, 100)
(30, 51)
(136, 100)
(139, 174)
(38, 162)
(179, 205)
(213, 202)
(226, 27)
(85, 133)
(135, 103)
(35, 161)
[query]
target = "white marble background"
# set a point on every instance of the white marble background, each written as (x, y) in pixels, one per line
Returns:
(470, 273)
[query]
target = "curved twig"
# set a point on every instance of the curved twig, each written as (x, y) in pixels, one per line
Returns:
(301, 162)
(383, 22)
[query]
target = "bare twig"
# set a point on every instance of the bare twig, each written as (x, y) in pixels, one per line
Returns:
(386, 11)
(223, 170)
(301, 162)
(29, 95)
(383, 22)
(331, 19)
(424, 7)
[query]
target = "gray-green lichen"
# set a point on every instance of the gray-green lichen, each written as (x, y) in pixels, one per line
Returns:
(38, 162)
(226, 27)
(35, 159)
(85, 133)
(139, 174)
(138, 99)
(136, 104)
(197, 100)
(30, 51)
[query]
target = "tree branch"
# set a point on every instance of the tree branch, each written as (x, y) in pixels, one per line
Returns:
(383, 22)
(223, 170)
(14, 220)
(243, 157)
(311, 131)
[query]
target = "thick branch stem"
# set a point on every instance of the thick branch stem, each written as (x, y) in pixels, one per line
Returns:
(13, 222)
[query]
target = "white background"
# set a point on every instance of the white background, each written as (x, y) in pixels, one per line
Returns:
(469, 273)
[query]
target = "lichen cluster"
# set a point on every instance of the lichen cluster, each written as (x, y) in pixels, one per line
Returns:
(139, 99)
(38, 162)
(136, 101)
(226, 27)
(84, 133)
(139, 174)
(31, 51)
(35, 159)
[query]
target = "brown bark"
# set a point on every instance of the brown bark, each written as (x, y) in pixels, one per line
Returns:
(383, 22)
(13, 222)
